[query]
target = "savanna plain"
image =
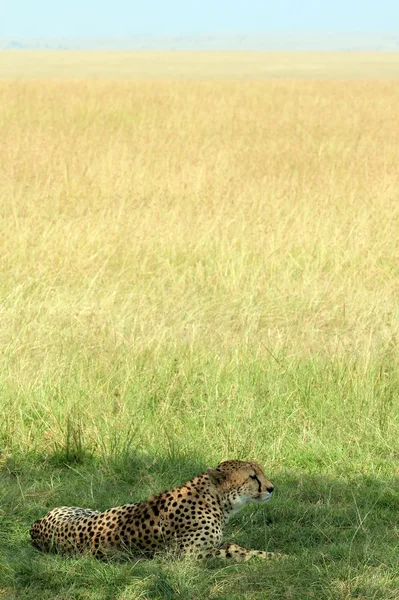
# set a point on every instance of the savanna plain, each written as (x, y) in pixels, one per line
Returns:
(197, 266)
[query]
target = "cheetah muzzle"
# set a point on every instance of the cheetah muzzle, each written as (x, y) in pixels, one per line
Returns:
(188, 519)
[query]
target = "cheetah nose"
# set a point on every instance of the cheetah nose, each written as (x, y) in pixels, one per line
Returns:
(270, 488)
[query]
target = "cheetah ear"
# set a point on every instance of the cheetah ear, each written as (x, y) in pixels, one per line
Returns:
(216, 476)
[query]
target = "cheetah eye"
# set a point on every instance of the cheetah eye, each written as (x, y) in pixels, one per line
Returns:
(253, 477)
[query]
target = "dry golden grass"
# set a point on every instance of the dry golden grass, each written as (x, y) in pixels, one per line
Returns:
(63, 64)
(261, 213)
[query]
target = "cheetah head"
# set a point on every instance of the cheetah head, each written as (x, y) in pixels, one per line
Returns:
(241, 482)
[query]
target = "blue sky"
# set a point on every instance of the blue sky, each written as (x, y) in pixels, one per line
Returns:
(122, 18)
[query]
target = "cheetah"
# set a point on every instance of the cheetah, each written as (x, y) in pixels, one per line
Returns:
(188, 519)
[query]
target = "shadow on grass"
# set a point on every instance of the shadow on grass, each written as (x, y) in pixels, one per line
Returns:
(341, 536)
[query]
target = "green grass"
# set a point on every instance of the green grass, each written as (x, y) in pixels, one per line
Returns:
(326, 432)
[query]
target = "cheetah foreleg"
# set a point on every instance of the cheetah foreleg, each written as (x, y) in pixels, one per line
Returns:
(236, 553)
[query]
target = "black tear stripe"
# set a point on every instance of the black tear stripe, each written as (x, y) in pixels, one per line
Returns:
(259, 485)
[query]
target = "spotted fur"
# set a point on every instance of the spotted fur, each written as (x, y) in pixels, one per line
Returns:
(188, 519)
